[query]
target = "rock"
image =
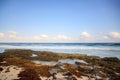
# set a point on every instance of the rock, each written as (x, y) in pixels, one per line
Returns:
(78, 62)
(85, 74)
(112, 75)
(55, 70)
(1, 68)
(59, 64)
(113, 59)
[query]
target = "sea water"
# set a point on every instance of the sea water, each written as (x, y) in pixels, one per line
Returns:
(95, 49)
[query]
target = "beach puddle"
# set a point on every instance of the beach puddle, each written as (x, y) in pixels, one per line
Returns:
(52, 63)
(34, 55)
(72, 61)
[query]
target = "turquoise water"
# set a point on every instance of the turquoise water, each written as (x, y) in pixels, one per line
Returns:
(97, 49)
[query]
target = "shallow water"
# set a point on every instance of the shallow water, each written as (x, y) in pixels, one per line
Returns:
(34, 55)
(70, 61)
(45, 62)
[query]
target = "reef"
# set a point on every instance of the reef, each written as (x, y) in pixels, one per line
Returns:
(19, 64)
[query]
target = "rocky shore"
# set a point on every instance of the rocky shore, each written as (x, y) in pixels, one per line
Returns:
(19, 64)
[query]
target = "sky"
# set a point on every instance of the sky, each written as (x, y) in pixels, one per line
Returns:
(59, 20)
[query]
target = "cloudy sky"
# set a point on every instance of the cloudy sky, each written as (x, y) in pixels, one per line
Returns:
(60, 20)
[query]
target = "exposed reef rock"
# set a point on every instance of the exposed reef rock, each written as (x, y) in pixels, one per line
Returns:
(20, 65)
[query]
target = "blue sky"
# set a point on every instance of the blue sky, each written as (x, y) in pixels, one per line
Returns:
(60, 20)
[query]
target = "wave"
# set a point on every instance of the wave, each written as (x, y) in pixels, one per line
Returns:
(61, 44)
(63, 47)
(97, 49)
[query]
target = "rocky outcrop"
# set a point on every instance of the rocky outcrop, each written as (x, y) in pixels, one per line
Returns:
(72, 67)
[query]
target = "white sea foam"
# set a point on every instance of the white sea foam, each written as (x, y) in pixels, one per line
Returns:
(60, 47)
(97, 50)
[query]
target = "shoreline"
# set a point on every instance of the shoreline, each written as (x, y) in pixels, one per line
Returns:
(91, 49)
(64, 66)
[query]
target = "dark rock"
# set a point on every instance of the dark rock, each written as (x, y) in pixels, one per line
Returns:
(117, 69)
(112, 75)
(59, 64)
(79, 62)
(1, 68)
(113, 59)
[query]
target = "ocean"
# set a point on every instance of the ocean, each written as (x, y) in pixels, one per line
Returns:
(94, 49)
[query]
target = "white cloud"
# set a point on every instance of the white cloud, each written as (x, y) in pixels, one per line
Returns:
(12, 32)
(61, 38)
(105, 37)
(114, 35)
(41, 37)
(2, 35)
(111, 37)
(36, 37)
(44, 36)
(85, 36)
(13, 35)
